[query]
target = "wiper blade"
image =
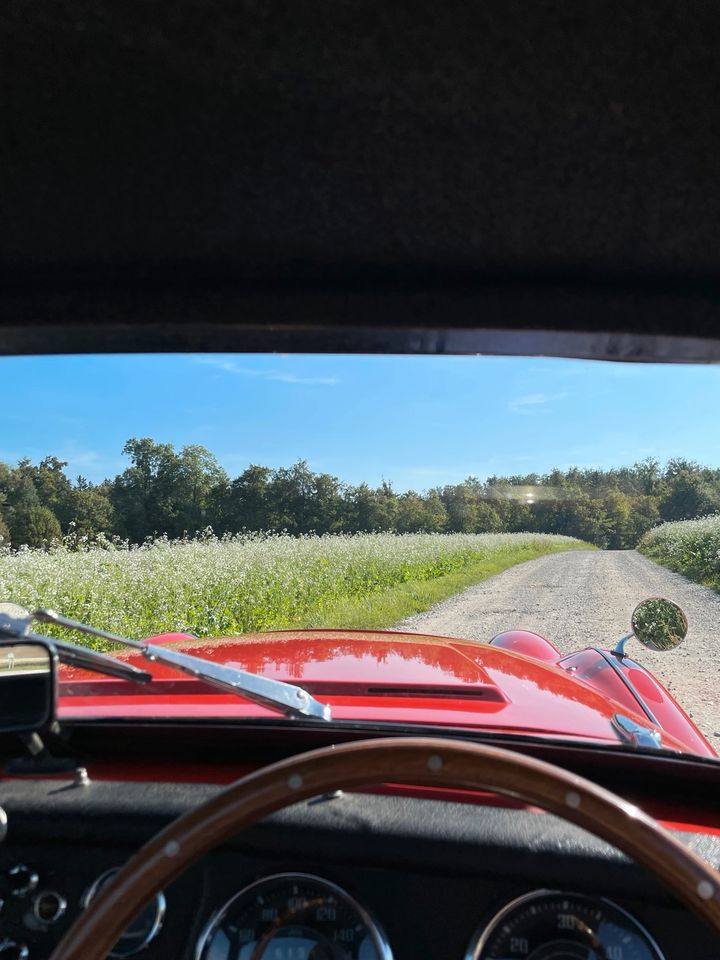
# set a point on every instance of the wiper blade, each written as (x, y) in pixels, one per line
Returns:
(275, 694)
(76, 656)
(15, 622)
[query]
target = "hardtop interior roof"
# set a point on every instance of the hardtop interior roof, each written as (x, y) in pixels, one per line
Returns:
(490, 177)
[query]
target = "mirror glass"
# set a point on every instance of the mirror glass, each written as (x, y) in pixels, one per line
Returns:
(659, 624)
(27, 686)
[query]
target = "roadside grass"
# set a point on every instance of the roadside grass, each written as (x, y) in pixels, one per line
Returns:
(214, 587)
(689, 547)
(712, 583)
(388, 607)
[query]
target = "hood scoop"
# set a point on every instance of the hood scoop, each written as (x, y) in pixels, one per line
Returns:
(486, 692)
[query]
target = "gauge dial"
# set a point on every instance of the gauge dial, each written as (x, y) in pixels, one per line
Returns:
(143, 929)
(548, 925)
(292, 916)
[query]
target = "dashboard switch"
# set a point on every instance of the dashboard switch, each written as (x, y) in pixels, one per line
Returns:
(21, 881)
(10, 950)
(48, 907)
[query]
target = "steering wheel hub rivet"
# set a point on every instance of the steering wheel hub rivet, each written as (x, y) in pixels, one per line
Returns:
(172, 848)
(434, 762)
(295, 781)
(705, 890)
(572, 799)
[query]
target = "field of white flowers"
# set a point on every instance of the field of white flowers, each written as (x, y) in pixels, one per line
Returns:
(691, 547)
(212, 586)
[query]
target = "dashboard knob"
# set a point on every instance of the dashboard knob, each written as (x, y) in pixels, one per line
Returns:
(21, 881)
(9, 950)
(48, 906)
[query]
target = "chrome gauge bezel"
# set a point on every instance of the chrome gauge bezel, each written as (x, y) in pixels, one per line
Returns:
(374, 928)
(482, 935)
(160, 908)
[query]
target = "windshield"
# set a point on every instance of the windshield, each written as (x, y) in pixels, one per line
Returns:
(226, 496)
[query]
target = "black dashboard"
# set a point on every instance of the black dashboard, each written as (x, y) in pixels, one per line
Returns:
(431, 874)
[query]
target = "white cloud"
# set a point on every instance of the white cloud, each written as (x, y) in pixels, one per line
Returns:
(530, 402)
(230, 366)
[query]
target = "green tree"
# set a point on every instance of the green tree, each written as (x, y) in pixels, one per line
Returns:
(486, 519)
(163, 491)
(436, 517)
(645, 515)
(648, 476)
(191, 481)
(140, 494)
(461, 505)
(359, 509)
(289, 498)
(21, 492)
(53, 488)
(688, 495)
(34, 526)
(246, 502)
(91, 512)
(410, 513)
(617, 508)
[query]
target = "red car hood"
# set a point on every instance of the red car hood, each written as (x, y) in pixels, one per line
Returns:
(370, 676)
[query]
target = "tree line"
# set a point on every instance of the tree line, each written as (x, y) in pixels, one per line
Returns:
(172, 492)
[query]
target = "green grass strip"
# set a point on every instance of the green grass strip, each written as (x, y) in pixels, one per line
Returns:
(385, 608)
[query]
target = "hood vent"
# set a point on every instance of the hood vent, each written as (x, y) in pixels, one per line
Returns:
(486, 692)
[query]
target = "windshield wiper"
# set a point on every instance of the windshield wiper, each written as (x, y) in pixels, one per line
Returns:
(286, 697)
(76, 656)
(15, 622)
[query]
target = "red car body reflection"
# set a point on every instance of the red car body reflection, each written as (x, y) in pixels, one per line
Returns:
(382, 676)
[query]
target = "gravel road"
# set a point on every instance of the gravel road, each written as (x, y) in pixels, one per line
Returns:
(583, 598)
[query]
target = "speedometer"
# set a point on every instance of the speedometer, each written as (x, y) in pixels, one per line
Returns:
(292, 916)
(548, 925)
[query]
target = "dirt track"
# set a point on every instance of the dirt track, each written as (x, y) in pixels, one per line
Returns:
(586, 597)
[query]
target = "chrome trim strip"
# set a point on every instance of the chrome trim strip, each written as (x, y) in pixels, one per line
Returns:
(482, 935)
(373, 927)
(611, 662)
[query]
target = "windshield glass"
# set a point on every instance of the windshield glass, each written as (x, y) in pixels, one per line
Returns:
(458, 497)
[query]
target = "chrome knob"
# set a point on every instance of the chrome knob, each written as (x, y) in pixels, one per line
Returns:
(21, 880)
(48, 907)
(10, 950)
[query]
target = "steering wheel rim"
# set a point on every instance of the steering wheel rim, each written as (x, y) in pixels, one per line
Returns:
(409, 760)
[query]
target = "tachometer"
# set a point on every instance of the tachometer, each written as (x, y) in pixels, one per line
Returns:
(548, 925)
(292, 916)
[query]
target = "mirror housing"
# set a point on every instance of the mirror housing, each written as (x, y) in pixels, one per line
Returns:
(28, 685)
(659, 624)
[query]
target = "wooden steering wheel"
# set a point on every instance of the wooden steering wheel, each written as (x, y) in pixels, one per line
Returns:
(420, 761)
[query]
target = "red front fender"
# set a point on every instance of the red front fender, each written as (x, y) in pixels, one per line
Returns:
(528, 644)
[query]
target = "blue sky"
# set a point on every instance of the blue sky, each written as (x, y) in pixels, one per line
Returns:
(415, 421)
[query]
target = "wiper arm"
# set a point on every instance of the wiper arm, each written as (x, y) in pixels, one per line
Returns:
(76, 656)
(16, 623)
(275, 694)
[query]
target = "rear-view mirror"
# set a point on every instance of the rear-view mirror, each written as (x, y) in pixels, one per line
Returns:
(27, 685)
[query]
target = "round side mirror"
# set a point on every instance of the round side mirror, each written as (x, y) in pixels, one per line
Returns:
(15, 618)
(659, 624)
